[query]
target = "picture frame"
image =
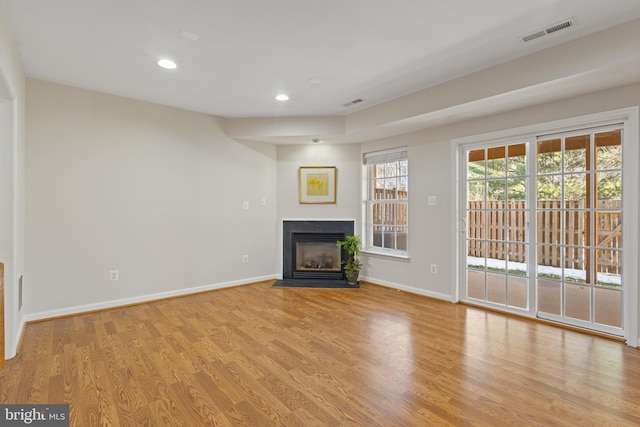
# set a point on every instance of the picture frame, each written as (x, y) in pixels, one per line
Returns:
(317, 184)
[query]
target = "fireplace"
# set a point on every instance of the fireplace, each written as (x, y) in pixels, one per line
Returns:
(310, 251)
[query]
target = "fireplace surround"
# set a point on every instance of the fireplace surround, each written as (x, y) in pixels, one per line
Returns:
(309, 249)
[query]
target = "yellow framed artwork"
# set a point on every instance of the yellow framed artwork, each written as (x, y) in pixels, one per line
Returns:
(317, 184)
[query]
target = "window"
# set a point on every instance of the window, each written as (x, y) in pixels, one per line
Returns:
(387, 203)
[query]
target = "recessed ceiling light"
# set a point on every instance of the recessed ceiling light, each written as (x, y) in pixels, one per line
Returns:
(168, 64)
(316, 140)
(282, 97)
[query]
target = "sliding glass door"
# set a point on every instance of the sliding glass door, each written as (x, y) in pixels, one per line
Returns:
(543, 227)
(497, 242)
(579, 233)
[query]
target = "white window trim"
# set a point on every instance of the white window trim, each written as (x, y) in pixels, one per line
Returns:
(368, 159)
(390, 255)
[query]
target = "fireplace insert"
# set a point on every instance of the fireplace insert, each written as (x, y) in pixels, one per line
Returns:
(316, 256)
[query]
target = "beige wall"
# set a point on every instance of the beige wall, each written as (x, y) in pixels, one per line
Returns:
(152, 191)
(346, 159)
(431, 175)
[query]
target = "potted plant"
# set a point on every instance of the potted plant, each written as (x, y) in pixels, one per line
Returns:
(351, 244)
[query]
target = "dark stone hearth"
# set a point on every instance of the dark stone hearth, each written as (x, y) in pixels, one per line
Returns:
(314, 283)
(316, 239)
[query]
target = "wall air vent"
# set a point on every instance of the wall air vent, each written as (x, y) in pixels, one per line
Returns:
(354, 102)
(568, 23)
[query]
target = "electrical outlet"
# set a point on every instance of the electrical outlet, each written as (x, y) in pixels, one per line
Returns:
(434, 269)
(114, 275)
(432, 201)
(245, 259)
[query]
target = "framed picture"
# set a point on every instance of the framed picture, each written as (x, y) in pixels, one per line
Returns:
(317, 184)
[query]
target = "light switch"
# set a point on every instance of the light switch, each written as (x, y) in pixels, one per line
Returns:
(432, 201)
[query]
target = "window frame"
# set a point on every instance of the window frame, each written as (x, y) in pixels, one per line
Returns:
(369, 161)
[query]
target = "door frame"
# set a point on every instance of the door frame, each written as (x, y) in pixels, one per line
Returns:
(2, 352)
(9, 217)
(629, 117)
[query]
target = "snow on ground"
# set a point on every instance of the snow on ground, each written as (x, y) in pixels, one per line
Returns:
(572, 273)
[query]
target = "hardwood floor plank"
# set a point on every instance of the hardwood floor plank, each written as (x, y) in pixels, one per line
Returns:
(193, 399)
(294, 399)
(217, 395)
(257, 355)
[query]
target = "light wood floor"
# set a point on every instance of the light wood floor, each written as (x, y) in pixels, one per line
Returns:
(261, 356)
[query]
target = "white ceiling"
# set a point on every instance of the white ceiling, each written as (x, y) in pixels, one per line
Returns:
(247, 51)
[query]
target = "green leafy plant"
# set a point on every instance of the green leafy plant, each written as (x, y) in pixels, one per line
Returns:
(351, 244)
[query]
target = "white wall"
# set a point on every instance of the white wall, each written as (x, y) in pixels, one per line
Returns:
(12, 141)
(347, 160)
(152, 191)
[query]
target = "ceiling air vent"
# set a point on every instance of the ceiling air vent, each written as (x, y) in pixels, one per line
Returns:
(548, 30)
(354, 102)
(533, 36)
(558, 27)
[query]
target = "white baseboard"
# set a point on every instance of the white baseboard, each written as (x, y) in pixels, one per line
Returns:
(136, 300)
(436, 295)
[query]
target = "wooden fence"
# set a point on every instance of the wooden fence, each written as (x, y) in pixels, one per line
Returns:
(489, 221)
(390, 220)
(390, 214)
